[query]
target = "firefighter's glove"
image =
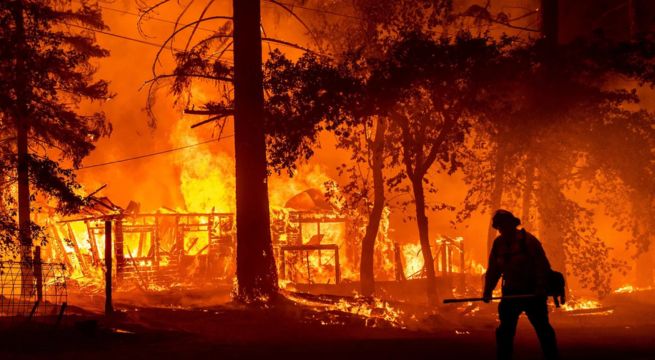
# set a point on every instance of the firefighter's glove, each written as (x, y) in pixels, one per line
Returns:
(486, 297)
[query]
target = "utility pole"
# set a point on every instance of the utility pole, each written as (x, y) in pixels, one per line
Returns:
(256, 271)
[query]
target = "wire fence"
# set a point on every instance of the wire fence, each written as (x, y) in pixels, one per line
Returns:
(34, 289)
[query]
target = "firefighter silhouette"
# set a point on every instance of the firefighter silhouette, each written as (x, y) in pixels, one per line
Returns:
(518, 257)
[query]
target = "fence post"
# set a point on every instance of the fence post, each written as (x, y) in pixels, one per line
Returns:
(109, 308)
(38, 273)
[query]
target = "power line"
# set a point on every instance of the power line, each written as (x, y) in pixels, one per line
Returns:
(329, 12)
(148, 17)
(114, 35)
(279, 42)
(155, 153)
(131, 39)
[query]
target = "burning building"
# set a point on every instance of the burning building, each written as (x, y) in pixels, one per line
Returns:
(316, 245)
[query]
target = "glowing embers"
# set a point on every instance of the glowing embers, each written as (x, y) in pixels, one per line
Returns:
(629, 289)
(579, 304)
(336, 310)
(469, 308)
(373, 309)
(580, 307)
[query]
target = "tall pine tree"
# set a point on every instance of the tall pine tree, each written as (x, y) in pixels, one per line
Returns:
(46, 49)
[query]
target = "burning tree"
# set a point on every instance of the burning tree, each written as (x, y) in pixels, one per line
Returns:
(382, 78)
(416, 92)
(446, 80)
(424, 91)
(50, 75)
(316, 94)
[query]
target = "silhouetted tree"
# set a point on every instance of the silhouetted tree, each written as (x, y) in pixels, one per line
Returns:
(361, 118)
(441, 85)
(424, 89)
(46, 73)
(312, 95)
(541, 145)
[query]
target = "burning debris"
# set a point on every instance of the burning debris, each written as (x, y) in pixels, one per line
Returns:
(629, 289)
(154, 252)
(372, 312)
(151, 250)
(582, 307)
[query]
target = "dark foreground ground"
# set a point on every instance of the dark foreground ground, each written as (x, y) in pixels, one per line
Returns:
(292, 332)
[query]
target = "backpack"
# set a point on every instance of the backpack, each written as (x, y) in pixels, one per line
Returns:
(555, 283)
(556, 287)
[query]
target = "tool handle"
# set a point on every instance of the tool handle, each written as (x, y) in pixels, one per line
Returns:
(507, 297)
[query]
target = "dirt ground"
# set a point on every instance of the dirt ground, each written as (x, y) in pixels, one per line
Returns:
(294, 331)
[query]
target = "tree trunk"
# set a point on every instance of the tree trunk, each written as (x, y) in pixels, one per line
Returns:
(527, 192)
(497, 193)
(550, 229)
(24, 230)
(256, 272)
(424, 237)
(551, 221)
(366, 275)
(550, 21)
(22, 130)
(632, 19)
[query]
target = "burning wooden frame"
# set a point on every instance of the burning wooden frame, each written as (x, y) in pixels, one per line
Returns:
(151, 250)
(166, 249)
(302, 254)
(305, 251)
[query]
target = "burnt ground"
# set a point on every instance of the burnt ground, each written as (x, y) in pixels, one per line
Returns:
(292, 331)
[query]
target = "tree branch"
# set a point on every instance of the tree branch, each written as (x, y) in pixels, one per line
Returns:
(286, 8)
(213, 118)
(404, 124)
(172, 36)
(436, 144)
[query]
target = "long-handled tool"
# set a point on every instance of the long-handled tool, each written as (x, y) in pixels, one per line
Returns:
(507, 297)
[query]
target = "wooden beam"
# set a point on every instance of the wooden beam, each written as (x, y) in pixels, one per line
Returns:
(94, 246)
(109, 307)
(59, 246)
(83, 265)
